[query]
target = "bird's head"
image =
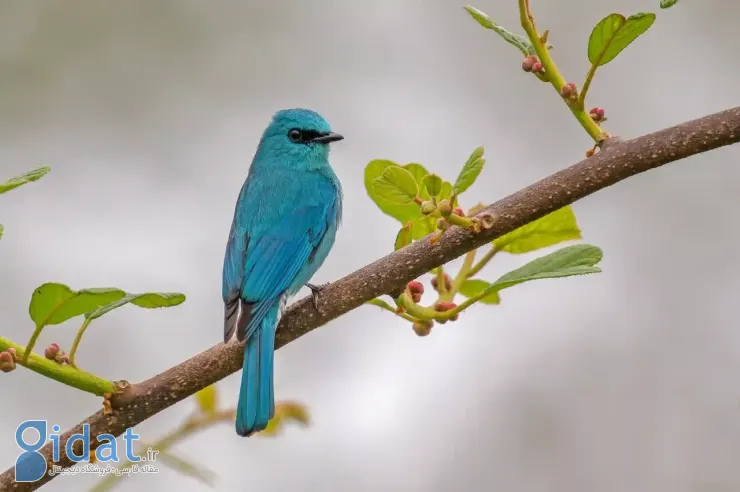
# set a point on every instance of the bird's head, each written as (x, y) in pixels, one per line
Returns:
(299, 133)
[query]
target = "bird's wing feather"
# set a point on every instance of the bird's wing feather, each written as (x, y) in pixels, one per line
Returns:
(273, 261)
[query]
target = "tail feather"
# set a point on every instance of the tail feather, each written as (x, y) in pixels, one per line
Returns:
(256, 396)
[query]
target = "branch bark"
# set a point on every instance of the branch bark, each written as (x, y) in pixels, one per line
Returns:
(618, 161)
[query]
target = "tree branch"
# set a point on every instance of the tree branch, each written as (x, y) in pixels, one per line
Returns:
(618, 161)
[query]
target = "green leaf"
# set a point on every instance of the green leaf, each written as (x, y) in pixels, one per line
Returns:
(614, 33)
(470, 171)
(404, 236)
(419, 172)
(148, 300)
(475, 287)
(446, 192)
(423, 226)
(517, 40)
(402, 213)
(546, 231)
(207, 399)
(566, 262)
(433, 184)
(28, 177)
(53, 303)
(397, 185)
(666, 4)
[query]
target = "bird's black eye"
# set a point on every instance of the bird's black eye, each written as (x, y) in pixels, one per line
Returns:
(295, 135)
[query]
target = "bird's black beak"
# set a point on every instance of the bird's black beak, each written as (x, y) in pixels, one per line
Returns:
(329, 137)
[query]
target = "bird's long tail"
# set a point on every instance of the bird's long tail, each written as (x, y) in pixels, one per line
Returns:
(256, 397)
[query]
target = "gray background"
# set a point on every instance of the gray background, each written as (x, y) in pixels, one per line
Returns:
(149, 112)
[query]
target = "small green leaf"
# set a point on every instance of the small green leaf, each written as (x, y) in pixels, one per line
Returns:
(419, 172)
(475, 287)
(402, 213)
(517, 40)
(469, 172)
(446, 192)
(546, 231)
(404, 236)
(28, 177)
(207, 399)
(149, 300)
(54, 303)
(187, 468)
(566, 262)
(396, 185)
(614, 33)
(666, 4)
(433, 184)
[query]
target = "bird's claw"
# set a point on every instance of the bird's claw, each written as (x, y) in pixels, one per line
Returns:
(315, 291)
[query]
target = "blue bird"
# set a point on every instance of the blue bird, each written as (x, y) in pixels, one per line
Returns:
(285, 222)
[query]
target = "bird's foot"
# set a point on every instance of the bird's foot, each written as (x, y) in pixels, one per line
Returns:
(315, 291)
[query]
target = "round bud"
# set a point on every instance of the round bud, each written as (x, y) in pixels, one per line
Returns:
(537, 67)
(445, 209)
(422, 328)
(51, 351)
(428, 208)
(528, 63)
(458, 211)
(416, 287)
(7, 361)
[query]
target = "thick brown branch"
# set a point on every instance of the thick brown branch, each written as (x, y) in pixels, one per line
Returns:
(141, 401)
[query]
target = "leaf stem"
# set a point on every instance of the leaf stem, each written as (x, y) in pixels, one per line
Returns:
(76, 341)
(441, 284)
(63, 373)
(586, 85)
(556, 78)
(387, 307)
(460, 277)
(483, 262)
(416, 310)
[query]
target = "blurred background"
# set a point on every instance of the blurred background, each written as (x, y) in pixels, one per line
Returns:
(149, 113)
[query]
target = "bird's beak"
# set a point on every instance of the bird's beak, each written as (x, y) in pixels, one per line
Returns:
(329, 137)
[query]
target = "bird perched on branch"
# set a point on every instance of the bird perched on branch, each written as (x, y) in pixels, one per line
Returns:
(285, 223)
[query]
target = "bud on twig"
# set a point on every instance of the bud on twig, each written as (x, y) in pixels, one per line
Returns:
(442, 306)
(458, 211)
(417, 289)
(445, 209)
(448, 282)
(537, 67)
(597, 114)
(7, 361)
(569, 91)
(51, 351)
(529, 62)
(428, 208)
(423, 327)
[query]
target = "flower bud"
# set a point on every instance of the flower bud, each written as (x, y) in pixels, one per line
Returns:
(448, 282)
(51, 351)
(423, 327)
(416, 287)
(428, 208)
(416, 297)
(458, 211)
(445, 209)
(7, 361)
(12, 352)
(537, 67)
(528, 63)
(442, 306)
(597, 114)
(442, 224)
(62, 358)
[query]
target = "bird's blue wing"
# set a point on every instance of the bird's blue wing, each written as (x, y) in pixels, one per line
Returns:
(270, 261)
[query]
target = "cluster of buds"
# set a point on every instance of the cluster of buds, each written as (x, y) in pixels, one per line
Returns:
(53, 352)
(423, 327)
(416, 289)
(532, 64)
(8, 359)
(448, 282)
(597, 114)
(569, 92)
(442, 306)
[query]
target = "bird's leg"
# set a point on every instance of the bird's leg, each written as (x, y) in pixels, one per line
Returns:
(315, 290)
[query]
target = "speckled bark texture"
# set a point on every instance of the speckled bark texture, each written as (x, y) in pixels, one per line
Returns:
(619, 160)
